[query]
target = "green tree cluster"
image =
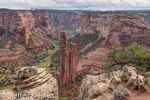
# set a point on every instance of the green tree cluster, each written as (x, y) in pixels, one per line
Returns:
(134, 54)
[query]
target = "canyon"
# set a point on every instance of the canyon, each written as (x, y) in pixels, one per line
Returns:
(24, 29)
(119, 28)
(62, 18)
(68, 61)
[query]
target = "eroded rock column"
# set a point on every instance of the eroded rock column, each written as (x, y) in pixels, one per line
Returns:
(64, 60)
(73, 61)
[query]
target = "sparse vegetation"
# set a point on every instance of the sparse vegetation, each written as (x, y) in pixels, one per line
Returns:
(134, 54)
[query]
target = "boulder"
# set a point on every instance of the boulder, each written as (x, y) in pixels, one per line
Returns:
(87, 83)
(116, 78)
(131, 74)
(36, 82)
(98, 89)
(120, 92)
(147, 81)
(141, 83)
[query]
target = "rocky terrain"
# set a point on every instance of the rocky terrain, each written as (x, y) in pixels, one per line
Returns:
(33, 80)
(117, 27)
(19, 30)
(68, 61)
(123, 84)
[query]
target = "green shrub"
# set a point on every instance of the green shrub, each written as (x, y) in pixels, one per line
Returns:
(52, 47)
(69, 94)
(51, 65)
(134, 54)
(72, 90)
(53, 73)
(15, 89)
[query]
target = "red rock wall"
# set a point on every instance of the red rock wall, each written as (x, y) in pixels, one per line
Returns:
(19, 24)
(119, 28)
(64, 19)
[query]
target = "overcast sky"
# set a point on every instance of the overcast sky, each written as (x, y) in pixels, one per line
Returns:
(77, 4)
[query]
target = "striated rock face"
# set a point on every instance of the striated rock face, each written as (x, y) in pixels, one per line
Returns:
(22, 28)
(121, 28)
(68, 61)
(73, 60)
(19, 24)
(64, 18)
(33, 80)
(64, 60)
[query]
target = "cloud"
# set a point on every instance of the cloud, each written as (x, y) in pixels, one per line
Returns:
(77, 4)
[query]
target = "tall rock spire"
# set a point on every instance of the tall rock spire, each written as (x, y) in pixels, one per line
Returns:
(73, 61)
(64, 60)
(68, 62)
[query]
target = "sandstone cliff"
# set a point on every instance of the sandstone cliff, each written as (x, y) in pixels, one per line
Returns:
(22, 28)
(68, 61)
(64, 18)
(119, 29)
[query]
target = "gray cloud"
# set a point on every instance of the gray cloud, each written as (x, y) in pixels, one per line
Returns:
(77, 4)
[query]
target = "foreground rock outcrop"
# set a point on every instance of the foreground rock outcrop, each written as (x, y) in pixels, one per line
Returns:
(33, 80)
(114, 86)
(68, 61)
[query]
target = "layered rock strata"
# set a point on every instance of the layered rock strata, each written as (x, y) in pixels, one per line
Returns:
(119, 29)
(68, 61)
(20, 23)
(33, 80)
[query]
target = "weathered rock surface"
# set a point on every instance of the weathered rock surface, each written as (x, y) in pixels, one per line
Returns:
(68, 61)
(120, 93)
(87, 82)
(116, 78)
(33, 80)
(113, 85)
(131, 74)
